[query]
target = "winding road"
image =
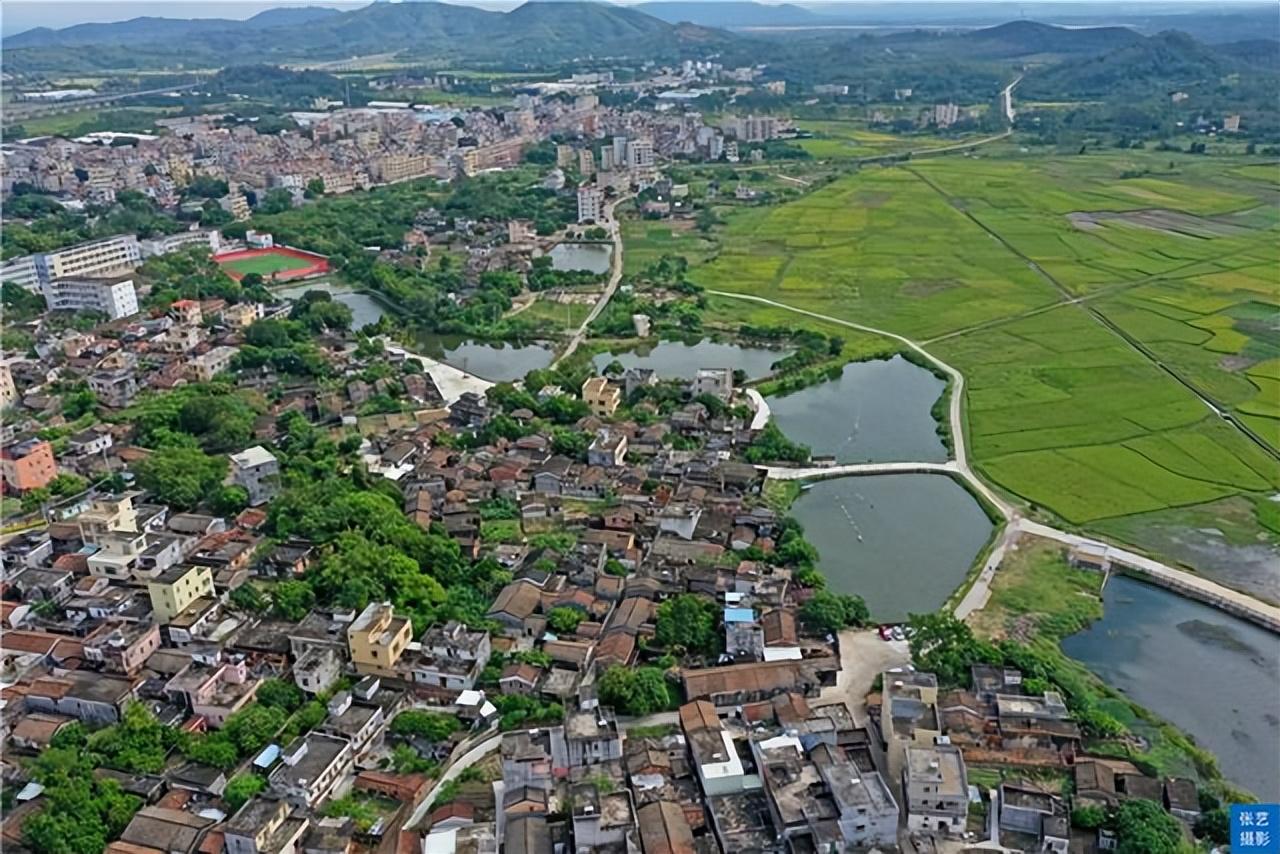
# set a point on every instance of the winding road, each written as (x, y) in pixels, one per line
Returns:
(615, 278)
(1016, 525)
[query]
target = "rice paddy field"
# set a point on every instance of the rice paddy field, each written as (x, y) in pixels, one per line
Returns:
(844, 140)
(1091, 302)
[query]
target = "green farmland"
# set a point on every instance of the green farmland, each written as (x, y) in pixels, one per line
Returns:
(1087, 299)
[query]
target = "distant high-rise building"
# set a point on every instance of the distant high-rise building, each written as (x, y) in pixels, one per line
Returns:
(607, 161)
(945, 115)
(639, 153)
(590, 204)
(116, 298)
(586, 162)
(564, 155)
(619, 151)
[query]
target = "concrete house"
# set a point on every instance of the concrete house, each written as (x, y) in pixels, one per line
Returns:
(258, 471)
(311, 768)
(935, 788)
(592, 737)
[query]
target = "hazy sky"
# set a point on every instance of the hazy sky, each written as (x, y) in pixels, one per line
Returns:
(19, 15)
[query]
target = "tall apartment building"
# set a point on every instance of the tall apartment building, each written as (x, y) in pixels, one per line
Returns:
(945, 115)
(564, 155)
(390, 168)
(586, 162)
(237, 205)
(639, 153)
(590, 204)
(21, 271)
(114, 297)
(96, 258)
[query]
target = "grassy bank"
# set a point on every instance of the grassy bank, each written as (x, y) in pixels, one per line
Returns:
(1037, 600)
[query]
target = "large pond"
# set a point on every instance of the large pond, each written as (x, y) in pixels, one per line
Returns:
(681, 360)
(581, 256)
(365, 309)
(498, 361)
(1213, 675)
(878, 411)
(902, 542)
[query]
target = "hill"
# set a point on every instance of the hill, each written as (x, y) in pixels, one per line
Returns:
(534, 32)
(1025, 38)
(731, 13)
(146, 29)
(1161, 63)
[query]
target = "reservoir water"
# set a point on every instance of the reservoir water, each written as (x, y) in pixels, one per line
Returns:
(681, 360)
(877, 411)
(902, 542)
(581, 256)
(498, 361)
(1213, 675)
(365, 309)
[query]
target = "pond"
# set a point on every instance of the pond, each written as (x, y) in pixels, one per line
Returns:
(1213, 675)
(498, 361)
(365, 309)
(681, 360)
(581, 256)
(902, 542)
(877, 411)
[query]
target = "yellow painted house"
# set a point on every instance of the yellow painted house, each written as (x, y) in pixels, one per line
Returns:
(377, 639)
(173, 591)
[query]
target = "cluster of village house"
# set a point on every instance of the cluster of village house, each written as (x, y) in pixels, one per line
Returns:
(116, 600)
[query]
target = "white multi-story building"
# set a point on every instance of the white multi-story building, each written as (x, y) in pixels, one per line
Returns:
(21, 271)
(110, 256)
(639, 153)
(590, 204)
(116, 298)
(258, 471)
(183, 239)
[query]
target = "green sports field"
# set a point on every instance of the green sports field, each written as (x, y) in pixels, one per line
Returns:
(1066, 289)
(265, 265)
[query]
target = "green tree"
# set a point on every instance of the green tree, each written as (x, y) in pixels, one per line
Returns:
(829, 612)
(564, 620)
(947, 647)
(229, 499)
(180, 477)
(292, 600)
(634, 691)
(1088, 817)
(1143, 827)
(1215, 826)
(253, 727)
(280, 694)
(432, 726)
(240, 789)
(689, 621)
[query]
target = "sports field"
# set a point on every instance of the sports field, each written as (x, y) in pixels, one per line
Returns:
(278, 263)
(1062, 286)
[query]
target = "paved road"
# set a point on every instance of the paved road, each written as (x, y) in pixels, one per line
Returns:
(615, 277)
(1181, 581)
(473, 755)
(20, 111)
(1006, 99)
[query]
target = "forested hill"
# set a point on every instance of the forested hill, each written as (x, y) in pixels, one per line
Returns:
(534, 32)
(1157, 65)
